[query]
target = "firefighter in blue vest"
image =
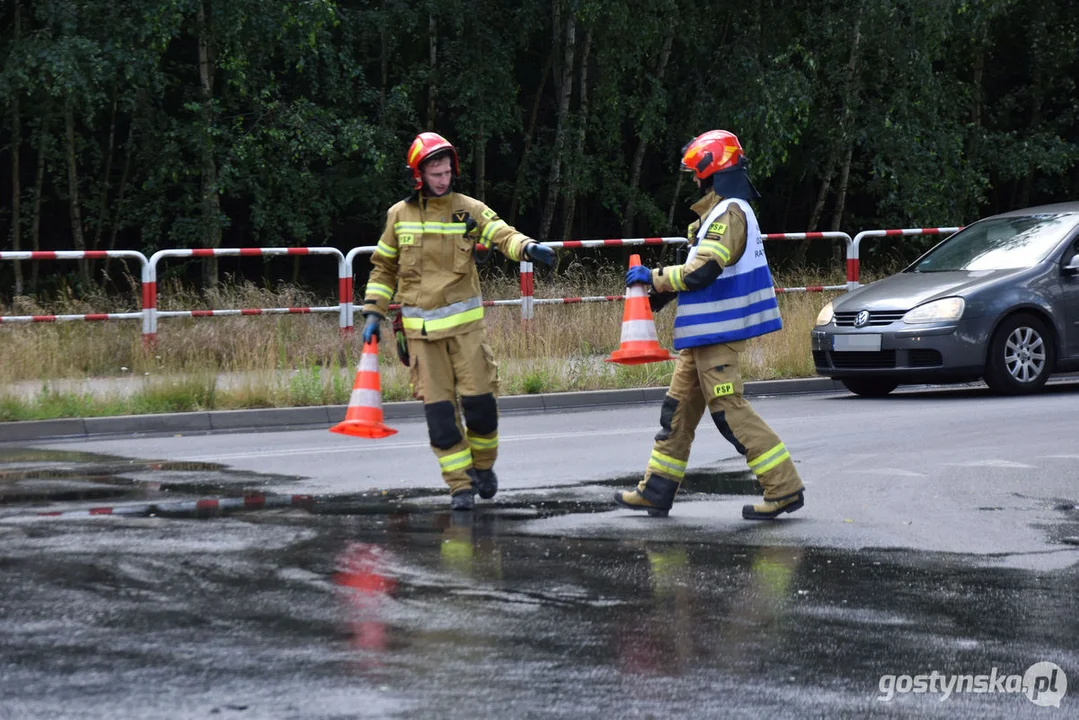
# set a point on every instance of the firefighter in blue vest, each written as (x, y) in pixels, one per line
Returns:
(725, 297)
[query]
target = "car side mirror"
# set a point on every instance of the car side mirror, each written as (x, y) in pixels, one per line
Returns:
(1072, 268)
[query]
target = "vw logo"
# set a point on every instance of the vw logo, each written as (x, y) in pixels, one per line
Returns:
(861, 318)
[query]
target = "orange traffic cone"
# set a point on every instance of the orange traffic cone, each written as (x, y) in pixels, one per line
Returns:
(640, 344)
(364, 415)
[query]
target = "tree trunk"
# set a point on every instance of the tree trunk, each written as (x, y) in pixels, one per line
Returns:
(841, 192)
(39, 188)
(582, 131)
(77, 237)
(211, 200)
(822, 196)
(384, 62)
(670, 217)
(480, 163)
(850, 92)
(555, 176)
(117, 217)
(102, 205)
(642, 145)
(530, 133)
(432, 89)
(16, 147)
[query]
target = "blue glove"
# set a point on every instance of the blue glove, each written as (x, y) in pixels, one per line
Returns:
(371, 328)
(639, 274)
(540, 253)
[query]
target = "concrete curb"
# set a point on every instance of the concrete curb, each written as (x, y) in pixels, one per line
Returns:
(223, 421)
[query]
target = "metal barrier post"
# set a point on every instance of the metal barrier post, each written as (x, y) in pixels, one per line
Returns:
(853, 269)
(829, 235)
(527, 291)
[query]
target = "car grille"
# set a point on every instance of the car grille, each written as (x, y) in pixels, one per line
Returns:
(881, 359)
(876, 317)
(924, 358)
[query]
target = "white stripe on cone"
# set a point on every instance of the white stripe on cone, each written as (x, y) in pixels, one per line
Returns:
(366, 398)
(637, 330)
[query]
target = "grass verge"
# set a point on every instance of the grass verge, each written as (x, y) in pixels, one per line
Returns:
(76, 369)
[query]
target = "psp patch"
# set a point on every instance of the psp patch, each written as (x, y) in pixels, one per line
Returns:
(489, 214)
(405, 239)
(723, 389)
(717, 228)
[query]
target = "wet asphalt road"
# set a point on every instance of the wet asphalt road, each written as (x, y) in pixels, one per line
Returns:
(362, 596)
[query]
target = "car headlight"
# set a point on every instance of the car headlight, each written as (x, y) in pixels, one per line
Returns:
(825, 315)
(942, 310)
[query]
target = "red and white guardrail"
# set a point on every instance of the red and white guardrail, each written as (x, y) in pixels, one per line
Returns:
(853, 269)
(149, 287)
(346, 284)
(75, 255)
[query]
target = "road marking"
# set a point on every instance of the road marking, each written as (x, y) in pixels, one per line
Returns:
(993, 463)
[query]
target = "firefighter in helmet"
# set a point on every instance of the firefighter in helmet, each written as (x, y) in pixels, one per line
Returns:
(425, 256)
(725, 297)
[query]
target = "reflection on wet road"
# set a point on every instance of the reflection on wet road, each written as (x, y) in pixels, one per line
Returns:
(398, 608)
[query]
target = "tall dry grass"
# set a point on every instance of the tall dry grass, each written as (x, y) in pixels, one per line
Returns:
(55, 369)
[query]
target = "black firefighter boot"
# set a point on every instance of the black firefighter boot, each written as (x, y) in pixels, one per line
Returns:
(656, 495)
(485, 482)
(463, 499)
(771, 509)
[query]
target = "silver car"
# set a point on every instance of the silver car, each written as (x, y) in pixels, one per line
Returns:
(997, 300)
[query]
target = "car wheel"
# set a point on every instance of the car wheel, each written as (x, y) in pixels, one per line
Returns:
(869, 387)
(1020, 356)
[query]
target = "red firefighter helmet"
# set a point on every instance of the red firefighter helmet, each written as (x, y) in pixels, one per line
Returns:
(711, 152)
(426, 146)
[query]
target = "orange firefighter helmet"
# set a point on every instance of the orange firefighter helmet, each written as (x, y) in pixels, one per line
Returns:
(426, 146)
(711, 152)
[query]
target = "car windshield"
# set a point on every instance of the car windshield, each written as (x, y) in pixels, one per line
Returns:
(1006, 243)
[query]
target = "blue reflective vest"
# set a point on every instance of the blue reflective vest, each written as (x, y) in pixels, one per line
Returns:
(737, 305)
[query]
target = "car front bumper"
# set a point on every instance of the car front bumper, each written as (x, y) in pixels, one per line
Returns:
(906, 354)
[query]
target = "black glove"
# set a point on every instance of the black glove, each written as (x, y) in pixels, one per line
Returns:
(402, 341)
(371, 327)
(659, 300)
(540, 253)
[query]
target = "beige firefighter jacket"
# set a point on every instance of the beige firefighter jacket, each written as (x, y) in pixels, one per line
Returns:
(724, 242)
(426, 257)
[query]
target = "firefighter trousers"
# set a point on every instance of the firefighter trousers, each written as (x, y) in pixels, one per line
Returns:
(454, 376)
(710, 377)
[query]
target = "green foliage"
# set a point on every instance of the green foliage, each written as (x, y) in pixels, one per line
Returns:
(854, 113)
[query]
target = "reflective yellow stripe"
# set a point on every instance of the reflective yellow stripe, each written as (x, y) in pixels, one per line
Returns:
(412, 323)
(457, 461)
(454, 320)
(672, 467)
(489, 230)
(720, 250)
(433, 228)
(676, 278)
(479, 443)
(763, 463)
(379, 290)
(387, 250)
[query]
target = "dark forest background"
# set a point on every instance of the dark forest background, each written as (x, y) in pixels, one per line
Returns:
(148, 124)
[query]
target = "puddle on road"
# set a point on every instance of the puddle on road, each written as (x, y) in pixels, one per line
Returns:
(34, 477)
(456, 615)
(713, 480)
